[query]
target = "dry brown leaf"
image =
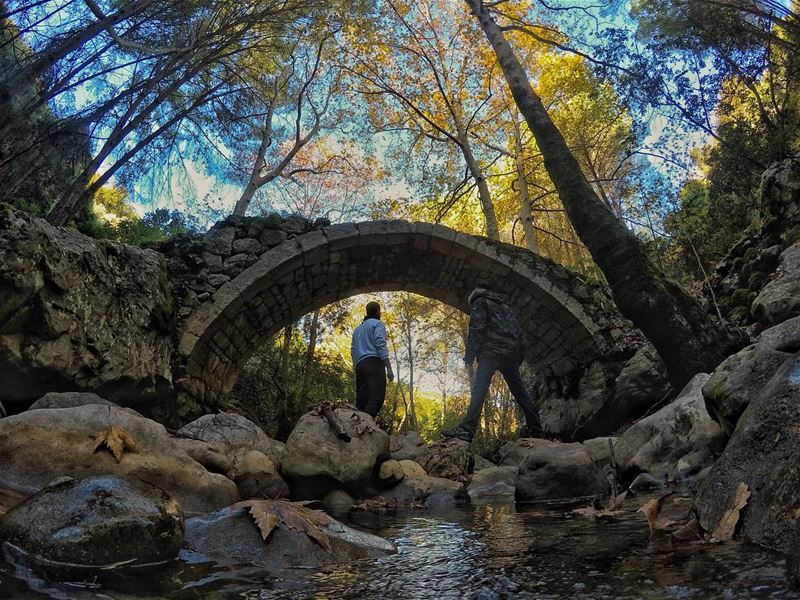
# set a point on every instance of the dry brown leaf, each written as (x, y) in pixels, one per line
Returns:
(116, 440)
(616, 503)
(379, 504)
(527, 442)
(690, 532)
(651, 509)
(296, 516)
(727, 525)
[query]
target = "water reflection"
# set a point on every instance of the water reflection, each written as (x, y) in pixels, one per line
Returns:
(488, 552)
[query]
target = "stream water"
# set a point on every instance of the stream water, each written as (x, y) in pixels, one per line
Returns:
(484, 552)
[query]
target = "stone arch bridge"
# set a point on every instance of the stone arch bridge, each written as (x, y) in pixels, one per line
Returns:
(249, 277)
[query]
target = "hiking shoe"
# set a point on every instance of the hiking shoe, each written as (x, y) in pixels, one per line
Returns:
(527, 432)
(459, 433)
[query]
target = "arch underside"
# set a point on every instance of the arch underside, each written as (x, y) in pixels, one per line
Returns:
(321, 267)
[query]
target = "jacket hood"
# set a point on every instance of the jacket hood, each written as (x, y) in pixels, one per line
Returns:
(480, 292)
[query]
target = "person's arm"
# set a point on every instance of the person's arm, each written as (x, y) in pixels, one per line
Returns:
(478, 321)
(383, 349)
(353, 349)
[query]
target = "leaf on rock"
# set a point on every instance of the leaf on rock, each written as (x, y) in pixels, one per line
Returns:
(379, 504)
(116, 440)
(727, 525)
(527, 442)
(363, 423)
(616, 503)
(651, 509)
(296, 516)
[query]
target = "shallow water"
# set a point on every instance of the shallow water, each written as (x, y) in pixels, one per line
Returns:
(485, 552)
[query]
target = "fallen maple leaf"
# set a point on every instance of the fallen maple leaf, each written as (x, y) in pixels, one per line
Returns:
(727, 525)
(651, 509)
(296, 516)
(616, 503)
(116, 440)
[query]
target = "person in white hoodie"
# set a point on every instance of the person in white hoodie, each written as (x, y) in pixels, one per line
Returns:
(371, 361)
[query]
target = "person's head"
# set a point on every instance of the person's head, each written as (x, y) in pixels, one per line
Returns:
(485, 285)
(373, 310)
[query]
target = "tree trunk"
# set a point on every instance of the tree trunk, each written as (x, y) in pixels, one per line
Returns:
(492, 232)
(525, 211)
(312, 346)
(283, 401)
(412, 411)
(686, 339)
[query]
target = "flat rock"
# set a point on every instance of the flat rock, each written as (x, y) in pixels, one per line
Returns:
(229, 536)
(97, 521)
(435, 492)
(550, 470)
(38, 446)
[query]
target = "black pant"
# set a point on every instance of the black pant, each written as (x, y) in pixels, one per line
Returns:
(370, 385)
(483, 377)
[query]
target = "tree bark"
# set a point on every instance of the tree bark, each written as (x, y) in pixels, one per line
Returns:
(525, 210)
(312, 346)
(484, 195)
(681, 332)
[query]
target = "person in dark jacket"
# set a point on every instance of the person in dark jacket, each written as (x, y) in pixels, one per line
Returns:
(371, 361)
(496, 340)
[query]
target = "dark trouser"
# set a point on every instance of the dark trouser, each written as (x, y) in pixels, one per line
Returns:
(370, 385)
(483, 377)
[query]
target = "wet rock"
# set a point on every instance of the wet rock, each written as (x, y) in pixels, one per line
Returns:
(658, 442)
(412, 469)
(779, 300)
(433, 492)
(391, 473)
(450, 459)
(406, 445)
(37, 446)
(738, 379)
(645, 482)
(97, 521)
(234, 433)
(763, 453)
(257, 477)
(230, 536)
(493, 484)
(316, 460)
(338, 501)
(549, 470)
(69, 400)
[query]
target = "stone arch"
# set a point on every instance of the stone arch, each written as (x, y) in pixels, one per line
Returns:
(566, 320)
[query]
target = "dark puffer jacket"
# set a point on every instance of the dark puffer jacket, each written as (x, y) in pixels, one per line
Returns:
(493, 328)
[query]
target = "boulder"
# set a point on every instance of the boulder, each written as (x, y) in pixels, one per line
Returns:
(764, 454)
(493, 484)
(412, 469)
(779, 300)
(645, 482)
(739, 378)
(641, 383)
(657, 443)
(82, 314)
(338, 501)
(37, 446)
(235, 434)
(550, 470)
(257, 477)
(450, 459)
(230, 536)
(598, 450)
(391, 473)
(69, 400)
(406, 445)
(212, 457)
(98, 521)
(317, 461)
(482, 463)
(433, 492)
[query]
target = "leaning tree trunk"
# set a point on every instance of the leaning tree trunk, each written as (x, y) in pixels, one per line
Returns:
(685, 338)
